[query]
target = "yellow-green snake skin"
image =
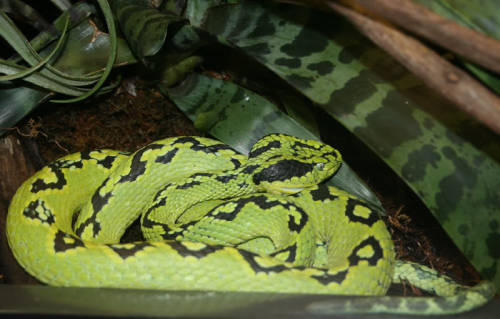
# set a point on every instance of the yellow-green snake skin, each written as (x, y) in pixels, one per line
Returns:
(217, 220)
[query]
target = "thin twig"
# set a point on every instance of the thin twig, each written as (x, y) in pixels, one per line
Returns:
(472, 45)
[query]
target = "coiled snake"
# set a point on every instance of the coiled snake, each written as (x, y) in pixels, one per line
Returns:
(216, 220)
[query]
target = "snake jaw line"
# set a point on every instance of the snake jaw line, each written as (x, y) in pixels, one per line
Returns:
(285, 189)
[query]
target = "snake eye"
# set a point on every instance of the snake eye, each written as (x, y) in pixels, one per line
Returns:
(320, 166)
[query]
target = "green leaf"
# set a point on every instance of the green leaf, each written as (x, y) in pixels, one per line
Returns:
(87, 49)
(450, 161)
(20, 44)
(39, 79)
(111, 55)
(175, 6)
(177, 60)
(176, 73)
(83, 54)
(29, 15)
(42, 62)
(239, 117)
(489, 78)
(16, 102)
(145, 27)
(76, 14)
(480, 15)
(195, 10)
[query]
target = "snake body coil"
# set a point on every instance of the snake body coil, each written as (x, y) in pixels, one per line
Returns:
(217, 220)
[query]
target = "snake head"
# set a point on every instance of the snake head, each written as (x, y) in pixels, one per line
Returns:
(287, 164)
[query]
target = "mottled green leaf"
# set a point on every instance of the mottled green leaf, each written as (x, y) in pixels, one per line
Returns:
(299, 110)
(239, 117)
(450, 161)
(195, 10)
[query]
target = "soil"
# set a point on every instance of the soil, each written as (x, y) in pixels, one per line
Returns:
(119, 121)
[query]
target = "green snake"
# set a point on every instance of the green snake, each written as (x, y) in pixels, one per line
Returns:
(217, 220)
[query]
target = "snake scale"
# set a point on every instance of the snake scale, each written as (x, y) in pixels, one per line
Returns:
(217, 220)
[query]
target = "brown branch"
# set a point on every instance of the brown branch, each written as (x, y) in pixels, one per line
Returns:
(453, 83)
(472, 45)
